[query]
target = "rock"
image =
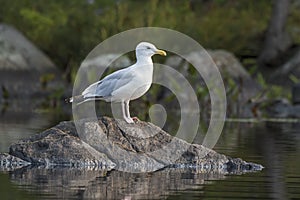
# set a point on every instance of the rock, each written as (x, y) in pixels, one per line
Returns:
(230, 67)
(17, 52)
(290, 68)
(103, 61)
(239, 85)
(296, 93)
(59, 146)
(24, 69)
(138, 147)
(282, 108)
(9, 162)
(242, 90)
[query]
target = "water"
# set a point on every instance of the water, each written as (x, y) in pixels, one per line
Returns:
(274, 145)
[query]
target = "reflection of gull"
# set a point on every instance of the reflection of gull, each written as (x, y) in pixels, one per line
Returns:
(125, 84)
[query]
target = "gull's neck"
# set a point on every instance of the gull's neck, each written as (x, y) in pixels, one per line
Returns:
(144, 65)
(144, 60)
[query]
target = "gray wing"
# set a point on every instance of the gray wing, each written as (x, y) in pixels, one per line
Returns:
(105, 87)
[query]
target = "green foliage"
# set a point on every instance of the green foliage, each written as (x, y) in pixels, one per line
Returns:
(37, 24)
(68, 30)
(45, 79)
(277, 91)
(261, 80)
(65, 30)
(272, 91)
(294, 79)
(5, 93)
(293, 22)
(235, 27)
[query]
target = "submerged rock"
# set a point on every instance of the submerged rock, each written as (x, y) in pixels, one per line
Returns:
(110, 143)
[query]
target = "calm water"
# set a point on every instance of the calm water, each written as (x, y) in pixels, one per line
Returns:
(276, 146)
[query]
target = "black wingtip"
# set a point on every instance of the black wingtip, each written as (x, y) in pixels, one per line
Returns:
(68, 100)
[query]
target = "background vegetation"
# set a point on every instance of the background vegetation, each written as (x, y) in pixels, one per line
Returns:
(68, 30)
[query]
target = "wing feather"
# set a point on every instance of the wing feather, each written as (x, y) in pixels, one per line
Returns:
(105, 87)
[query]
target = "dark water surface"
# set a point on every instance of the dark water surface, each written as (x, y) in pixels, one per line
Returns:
(274, 145)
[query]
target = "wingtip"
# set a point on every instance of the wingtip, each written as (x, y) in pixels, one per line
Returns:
(75, 99)
(69, 100)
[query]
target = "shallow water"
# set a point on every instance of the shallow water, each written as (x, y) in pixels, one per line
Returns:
(274, 145)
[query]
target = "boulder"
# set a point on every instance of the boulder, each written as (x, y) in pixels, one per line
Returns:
(110, 143)
(239, 85)
(59, 145)
(17, 52)
(282, 108)
(25, 71)
(282, 74)
(230, 67)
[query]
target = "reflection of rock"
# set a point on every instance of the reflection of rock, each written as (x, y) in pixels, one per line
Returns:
(65, 183)
(239, 85)
(133, 147)
(23, 67)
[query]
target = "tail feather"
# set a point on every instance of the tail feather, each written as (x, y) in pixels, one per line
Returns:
(75, 99)
(81, 99)
(88, 99)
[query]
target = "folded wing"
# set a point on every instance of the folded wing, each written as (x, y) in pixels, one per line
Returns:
(104, 88)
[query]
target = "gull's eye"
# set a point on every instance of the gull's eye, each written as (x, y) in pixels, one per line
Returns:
(148, 48)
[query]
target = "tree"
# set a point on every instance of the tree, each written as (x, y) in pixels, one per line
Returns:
(277, 40)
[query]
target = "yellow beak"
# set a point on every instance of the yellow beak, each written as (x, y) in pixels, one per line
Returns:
(161, 52)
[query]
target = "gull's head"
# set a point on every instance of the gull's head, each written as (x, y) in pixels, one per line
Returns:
(146, 49)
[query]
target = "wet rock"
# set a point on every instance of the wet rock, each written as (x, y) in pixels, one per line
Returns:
(138, 147)
(238, 165)
(282, 108)
(25, 71)
(59, 145)
(9, 162)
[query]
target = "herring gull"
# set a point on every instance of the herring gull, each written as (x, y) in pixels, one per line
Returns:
(126, 84)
